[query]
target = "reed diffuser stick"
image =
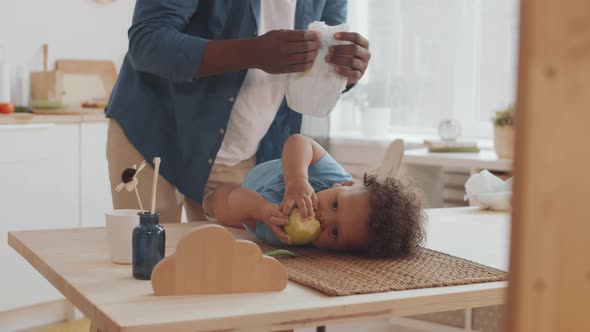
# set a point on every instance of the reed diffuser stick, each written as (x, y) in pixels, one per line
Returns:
(157, 161)
(138, 199)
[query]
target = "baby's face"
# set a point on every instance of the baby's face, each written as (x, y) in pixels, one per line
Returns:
(344, 216)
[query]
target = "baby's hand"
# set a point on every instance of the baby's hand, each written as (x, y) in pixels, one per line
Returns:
(275, 220)
(299, 191)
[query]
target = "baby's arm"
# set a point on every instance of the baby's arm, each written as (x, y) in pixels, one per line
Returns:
(299, 153)
(234, 206)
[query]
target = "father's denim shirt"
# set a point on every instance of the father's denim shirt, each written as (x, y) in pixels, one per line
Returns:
(165, 111)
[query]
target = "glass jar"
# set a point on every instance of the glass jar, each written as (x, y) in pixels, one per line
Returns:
(149, 242)
(449, 130)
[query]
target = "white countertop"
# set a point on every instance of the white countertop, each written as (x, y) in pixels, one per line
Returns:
(416, 154)
(485, 159)
(411, 140)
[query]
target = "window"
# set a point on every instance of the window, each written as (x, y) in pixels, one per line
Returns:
(432, 60)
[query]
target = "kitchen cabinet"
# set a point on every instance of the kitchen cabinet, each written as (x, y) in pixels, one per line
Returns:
(52, 175)
(39, 189)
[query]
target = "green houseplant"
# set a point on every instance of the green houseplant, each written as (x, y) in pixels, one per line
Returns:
(504, 132)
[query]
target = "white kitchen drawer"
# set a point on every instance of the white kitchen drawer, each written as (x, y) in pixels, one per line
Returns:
(39, 189)
(36, 141)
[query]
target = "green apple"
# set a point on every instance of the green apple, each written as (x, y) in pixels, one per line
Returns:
(302, 231)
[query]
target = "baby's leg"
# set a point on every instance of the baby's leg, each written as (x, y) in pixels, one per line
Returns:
(216, 204)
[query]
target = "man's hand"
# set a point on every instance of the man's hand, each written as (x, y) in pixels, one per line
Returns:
(286, 51)
(275, 220)
(299, 191)
(351, 60)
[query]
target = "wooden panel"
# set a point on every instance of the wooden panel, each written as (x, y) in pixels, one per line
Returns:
(210, 261)
(550, 269)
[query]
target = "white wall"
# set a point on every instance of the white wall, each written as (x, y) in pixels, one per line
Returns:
(74, 29)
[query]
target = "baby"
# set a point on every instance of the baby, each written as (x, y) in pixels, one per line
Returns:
(380, 218)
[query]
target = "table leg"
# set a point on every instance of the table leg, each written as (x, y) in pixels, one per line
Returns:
(468, 319)
(320, 329)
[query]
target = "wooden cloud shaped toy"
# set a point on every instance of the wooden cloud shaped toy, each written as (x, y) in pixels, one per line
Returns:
(210, 261)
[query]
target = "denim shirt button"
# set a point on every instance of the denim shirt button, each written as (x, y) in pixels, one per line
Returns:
(210, 161)
(231, 99)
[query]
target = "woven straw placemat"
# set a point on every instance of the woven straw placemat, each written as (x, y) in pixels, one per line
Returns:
(338, 274)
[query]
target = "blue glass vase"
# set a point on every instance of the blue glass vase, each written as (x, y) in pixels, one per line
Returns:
(149, 242)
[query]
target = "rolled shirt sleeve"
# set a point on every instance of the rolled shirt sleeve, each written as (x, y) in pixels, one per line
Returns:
(334, 12)
(158, 43)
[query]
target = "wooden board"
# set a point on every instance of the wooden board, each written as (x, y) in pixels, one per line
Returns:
(105, 69)
(47, 85)
(77, 263)
(210, 261)
(88, 80)
(550, 265)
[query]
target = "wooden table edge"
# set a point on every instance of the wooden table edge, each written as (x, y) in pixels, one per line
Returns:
(86, 307)
(366, 311)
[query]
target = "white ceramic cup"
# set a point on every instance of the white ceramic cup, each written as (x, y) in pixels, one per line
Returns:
(120, 225)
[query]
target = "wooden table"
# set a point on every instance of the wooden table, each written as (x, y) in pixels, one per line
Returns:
(76, 262)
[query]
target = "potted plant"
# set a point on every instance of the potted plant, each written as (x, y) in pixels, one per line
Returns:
(504, 132)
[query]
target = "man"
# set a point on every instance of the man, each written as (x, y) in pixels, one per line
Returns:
(202, 86)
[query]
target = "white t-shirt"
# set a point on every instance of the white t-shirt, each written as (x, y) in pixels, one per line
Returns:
(260, 96)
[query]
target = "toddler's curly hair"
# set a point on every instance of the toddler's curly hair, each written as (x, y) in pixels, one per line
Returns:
(396, 221)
